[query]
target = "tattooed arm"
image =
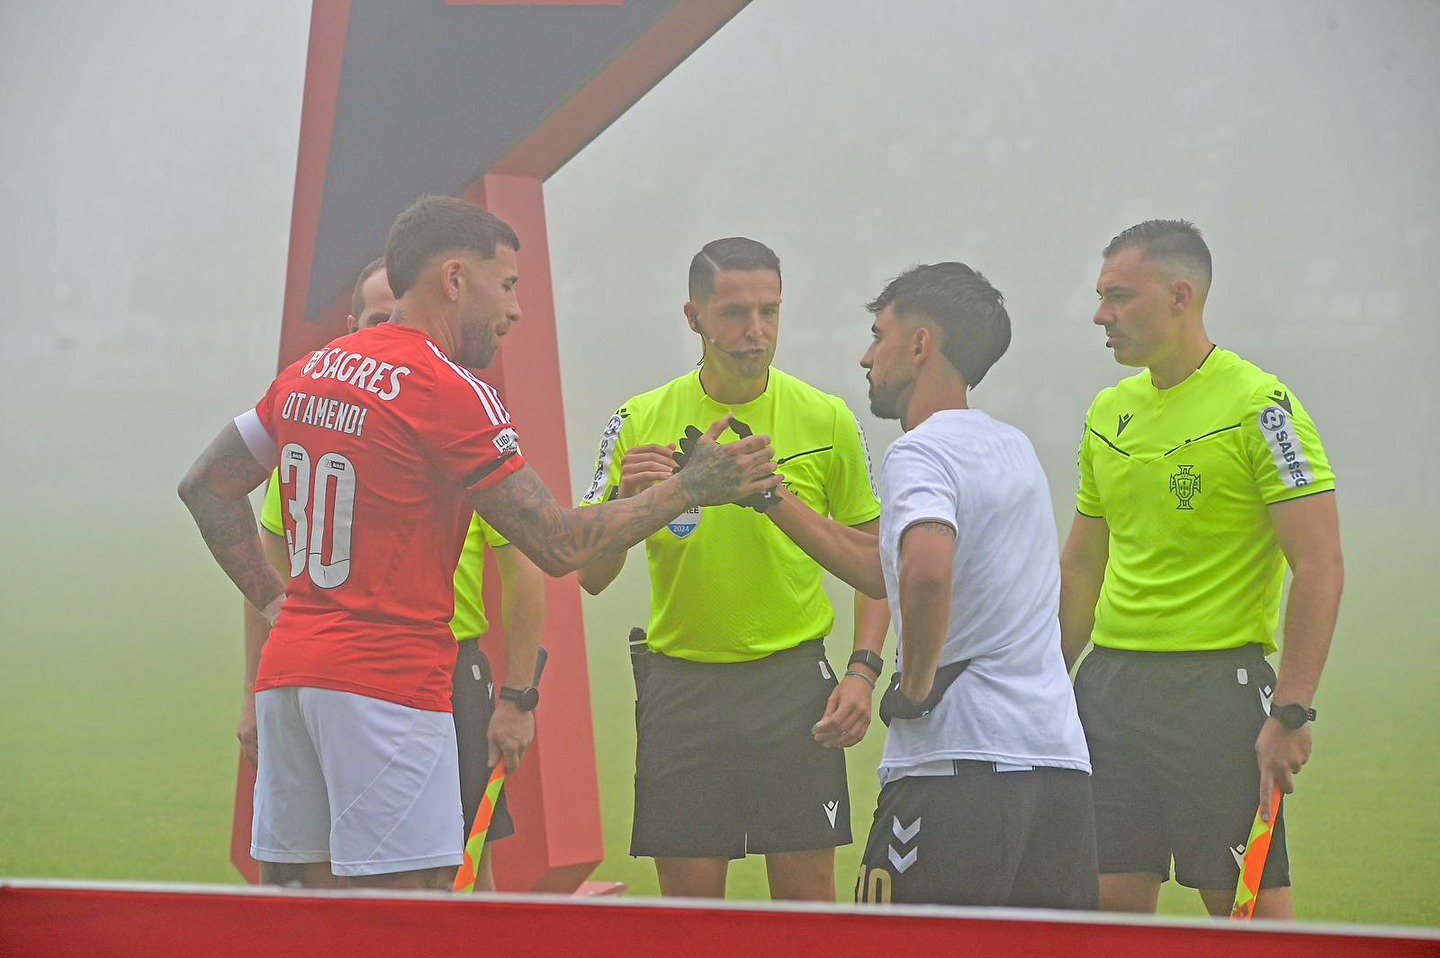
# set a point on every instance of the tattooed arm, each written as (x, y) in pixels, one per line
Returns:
(214, 490)
(561, 540)
(927, 562)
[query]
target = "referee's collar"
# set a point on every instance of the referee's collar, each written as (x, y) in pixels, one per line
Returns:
(1199, 374)
(770, 375)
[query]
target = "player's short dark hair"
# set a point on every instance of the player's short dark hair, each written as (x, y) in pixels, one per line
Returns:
(969, 311)
(357, 300)
(1175, 241)
(721, 255)
(440, 224)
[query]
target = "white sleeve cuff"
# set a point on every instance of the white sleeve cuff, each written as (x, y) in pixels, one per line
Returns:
(257, 440)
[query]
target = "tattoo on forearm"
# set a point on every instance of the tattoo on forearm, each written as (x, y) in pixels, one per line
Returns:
(709, 476)
(558, 539)
(215, 491)
(228, 527)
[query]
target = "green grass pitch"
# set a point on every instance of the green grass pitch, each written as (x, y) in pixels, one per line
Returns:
(121, 683)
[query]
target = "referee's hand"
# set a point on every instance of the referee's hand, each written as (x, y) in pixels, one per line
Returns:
(847, 714)
(1281, 753)
(512, 729)
(642, 467)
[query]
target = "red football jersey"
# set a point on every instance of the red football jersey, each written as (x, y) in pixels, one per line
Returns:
(379, 436)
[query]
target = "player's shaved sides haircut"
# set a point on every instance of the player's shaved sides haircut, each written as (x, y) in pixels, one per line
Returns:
(357, 300)
(969, 311)
(440, 224)
(723, 255)
(1176, 242)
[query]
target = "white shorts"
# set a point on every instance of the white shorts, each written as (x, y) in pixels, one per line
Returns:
(370, 786)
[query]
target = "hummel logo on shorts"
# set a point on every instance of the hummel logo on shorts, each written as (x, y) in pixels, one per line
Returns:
(905, 835)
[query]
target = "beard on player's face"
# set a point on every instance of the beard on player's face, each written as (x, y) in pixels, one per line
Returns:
(478, 346)
(887, 400)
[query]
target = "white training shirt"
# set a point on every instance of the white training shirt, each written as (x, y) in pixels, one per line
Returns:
(1014, 705)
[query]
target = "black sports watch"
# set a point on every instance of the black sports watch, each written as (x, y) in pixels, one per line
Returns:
(526, 699)
(1292, 716)
(868, 659)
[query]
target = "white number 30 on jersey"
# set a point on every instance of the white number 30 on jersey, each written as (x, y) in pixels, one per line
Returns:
(325, 491)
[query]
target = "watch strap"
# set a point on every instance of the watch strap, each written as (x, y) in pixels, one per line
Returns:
(527, 698)
(1305, 714)
(868, 659)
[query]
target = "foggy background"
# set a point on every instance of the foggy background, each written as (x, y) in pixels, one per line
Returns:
(147, 157)
(147, 162)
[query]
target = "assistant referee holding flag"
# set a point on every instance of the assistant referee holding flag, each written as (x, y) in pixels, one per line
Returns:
(1200, 477)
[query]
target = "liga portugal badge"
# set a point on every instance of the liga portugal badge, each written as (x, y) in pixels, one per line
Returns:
(1186, 486)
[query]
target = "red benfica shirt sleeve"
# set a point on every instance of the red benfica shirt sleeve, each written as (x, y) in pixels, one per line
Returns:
(468, 434)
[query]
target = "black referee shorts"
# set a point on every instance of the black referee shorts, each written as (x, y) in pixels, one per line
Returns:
(1172, 743)
(726, 764)
(473, 698)
(1020, 839)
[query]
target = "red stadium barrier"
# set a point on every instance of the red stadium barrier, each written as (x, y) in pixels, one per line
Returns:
(43, 919)
(511, 121)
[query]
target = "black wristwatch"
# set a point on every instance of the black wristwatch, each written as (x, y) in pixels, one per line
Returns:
(868, 659)
(1292, 716)
(526, 699)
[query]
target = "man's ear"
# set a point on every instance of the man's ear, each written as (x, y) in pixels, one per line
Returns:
(452, 277)
(692, 316)
(922, 344)
(1182, 294)
(351, 324)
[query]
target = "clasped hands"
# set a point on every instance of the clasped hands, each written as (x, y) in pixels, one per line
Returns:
(645, 465)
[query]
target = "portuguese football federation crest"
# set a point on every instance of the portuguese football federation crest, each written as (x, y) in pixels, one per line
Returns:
(1186, 486)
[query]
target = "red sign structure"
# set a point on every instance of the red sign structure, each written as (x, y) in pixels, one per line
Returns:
(485, 100)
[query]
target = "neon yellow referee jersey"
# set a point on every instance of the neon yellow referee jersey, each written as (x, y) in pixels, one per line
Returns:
(725, 584)
(1183, 477)
(469, 621)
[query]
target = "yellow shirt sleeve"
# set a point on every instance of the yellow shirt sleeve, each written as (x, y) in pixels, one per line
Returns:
(270, 515)
(613, 443)
(852, 486)
(1284, 448)
(1087, 496)
(492, 538)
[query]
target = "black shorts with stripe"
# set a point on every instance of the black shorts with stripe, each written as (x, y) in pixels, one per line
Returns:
(726, 764)
(1172, 742)
(1020, 839)
(473, 698)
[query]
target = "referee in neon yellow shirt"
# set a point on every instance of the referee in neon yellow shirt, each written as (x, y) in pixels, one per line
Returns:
(742, 721)
(483, 726)
(1201, 477)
